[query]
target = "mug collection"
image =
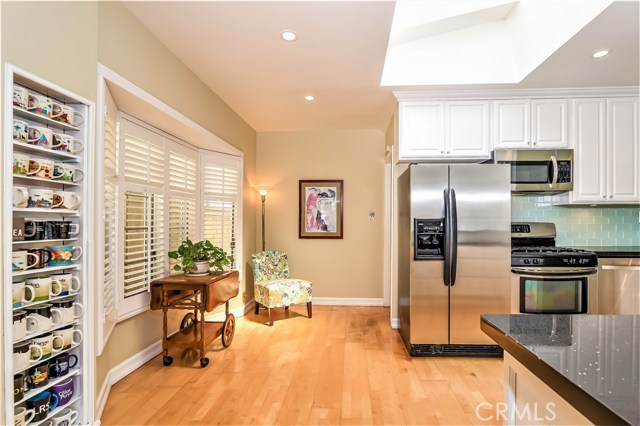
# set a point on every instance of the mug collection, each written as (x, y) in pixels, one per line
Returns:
(47, 308)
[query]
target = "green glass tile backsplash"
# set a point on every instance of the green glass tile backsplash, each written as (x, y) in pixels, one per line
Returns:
(581, 226)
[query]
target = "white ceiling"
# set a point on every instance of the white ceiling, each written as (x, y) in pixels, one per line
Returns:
(235, 48)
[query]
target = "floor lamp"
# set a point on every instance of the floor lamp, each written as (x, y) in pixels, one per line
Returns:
(262, 190)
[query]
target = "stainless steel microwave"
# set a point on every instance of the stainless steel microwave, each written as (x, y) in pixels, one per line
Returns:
(538, 171)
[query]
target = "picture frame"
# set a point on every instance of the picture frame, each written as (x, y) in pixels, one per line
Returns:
(320, 208)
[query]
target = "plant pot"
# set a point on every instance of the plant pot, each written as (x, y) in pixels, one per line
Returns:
(201, 267)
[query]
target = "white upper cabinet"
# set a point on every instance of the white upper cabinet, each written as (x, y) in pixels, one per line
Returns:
(531, 123)
(622, 150)
(443, 130)
(589, 133)
(606, 152)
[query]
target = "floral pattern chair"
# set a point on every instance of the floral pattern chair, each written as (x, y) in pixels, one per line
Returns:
(272, 286)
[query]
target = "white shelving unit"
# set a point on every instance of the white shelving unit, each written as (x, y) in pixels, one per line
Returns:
(82, 374)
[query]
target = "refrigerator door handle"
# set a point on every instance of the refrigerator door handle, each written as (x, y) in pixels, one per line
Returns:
(453, 221)
(447, 238)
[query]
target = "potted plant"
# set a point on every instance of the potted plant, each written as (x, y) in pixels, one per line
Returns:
(197, 258)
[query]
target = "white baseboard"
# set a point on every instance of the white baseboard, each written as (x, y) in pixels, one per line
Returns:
(131, 364)
(347, 301)
(395, 323)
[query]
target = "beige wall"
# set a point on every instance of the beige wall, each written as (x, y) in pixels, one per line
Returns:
(39, 53)
(347, 268)
(129, 49)
(106, 32)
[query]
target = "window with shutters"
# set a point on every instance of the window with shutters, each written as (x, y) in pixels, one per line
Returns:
(183, 216)
(168, 191)
(221, 180)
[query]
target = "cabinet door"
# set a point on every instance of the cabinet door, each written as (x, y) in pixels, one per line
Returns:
(589, 173)
(550, 122)
(420, 130)
(623, 151)
(511, 121)
(467, 129)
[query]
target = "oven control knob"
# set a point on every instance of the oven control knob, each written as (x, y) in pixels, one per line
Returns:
(526, 261)
(535, 261)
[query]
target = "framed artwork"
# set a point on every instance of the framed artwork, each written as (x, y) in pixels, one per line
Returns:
(320, 208)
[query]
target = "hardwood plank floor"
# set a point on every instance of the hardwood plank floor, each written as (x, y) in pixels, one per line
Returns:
(344, 366)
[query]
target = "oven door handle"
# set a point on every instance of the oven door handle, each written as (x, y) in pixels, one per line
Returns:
(554, 178)
(555, 272)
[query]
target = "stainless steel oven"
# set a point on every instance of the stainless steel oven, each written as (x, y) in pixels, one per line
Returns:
(538, 171)
(546, 279)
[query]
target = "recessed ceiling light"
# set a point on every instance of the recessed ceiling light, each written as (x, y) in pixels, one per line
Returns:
(288, 35)
(600, 53)
(309, 98)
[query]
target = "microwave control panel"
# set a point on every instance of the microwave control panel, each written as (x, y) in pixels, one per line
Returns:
(564, 171)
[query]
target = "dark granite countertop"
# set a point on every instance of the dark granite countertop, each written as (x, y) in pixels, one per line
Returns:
(613, 251)
(592, 361)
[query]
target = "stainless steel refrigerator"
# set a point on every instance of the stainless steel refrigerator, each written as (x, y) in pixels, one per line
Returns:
(454, 254)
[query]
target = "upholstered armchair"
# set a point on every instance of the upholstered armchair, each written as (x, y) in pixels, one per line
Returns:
(272, 286)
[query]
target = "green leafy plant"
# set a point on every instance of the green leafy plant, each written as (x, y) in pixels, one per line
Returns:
(189, 253)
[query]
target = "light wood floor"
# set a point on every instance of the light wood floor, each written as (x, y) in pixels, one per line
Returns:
(344, 366)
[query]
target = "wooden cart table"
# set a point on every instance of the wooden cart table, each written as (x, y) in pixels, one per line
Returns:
(198, 294)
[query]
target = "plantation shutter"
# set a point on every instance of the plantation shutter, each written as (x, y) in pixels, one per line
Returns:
(221, 180)
(107, 311)
(144, 166)
(183, 217)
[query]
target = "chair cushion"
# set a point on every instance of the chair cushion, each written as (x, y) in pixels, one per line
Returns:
(283, 292)
(270, 265)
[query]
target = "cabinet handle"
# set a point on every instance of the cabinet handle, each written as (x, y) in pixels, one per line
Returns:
(448, 152)
(610, 196)
(621, 268)
(442, 152)
(604, 197)
(535, 143)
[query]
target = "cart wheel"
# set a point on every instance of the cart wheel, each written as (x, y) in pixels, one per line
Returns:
(228, 329)
(167, 360)
(188, 320)
(204, 362)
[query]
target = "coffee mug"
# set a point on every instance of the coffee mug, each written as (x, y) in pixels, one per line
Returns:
(67, 143)
(43, 257)
(69, 282)
(42, 198)
(60, 365)
(41, 136)
(42, 317)
(65, 418)
(70, 310)
(70, 336)
(34, 230)
(67, 114)
(20, 96)
(20, 320)
(68, 172)
(64, 391)
(40, 104)
(49, 344)
(20, 196)
(21, 383)
(47, 168)
(24, 354)
(22, 260)
(21, 165)
(67, 229)
(39, 375)
(42, 403)
(63, 255)
(22, 416)
(45, 287)
(21, 293)
(66, 200)
(21, 132)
